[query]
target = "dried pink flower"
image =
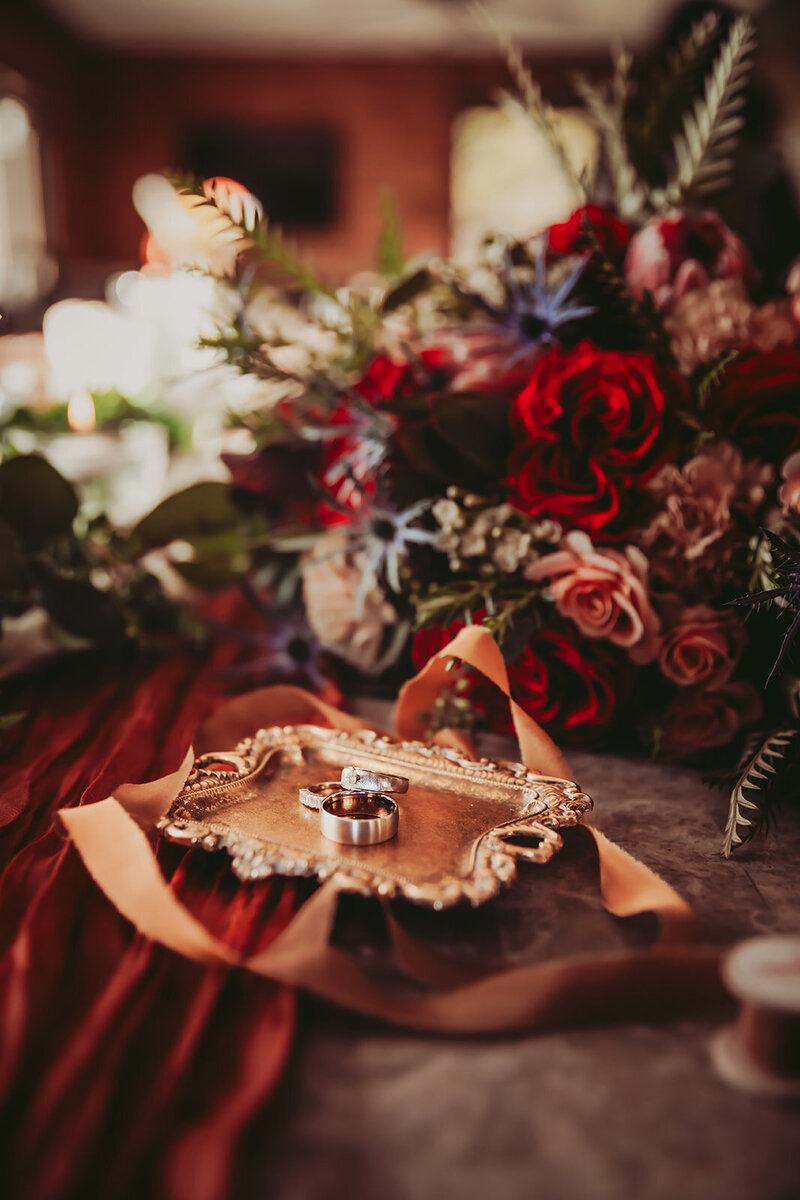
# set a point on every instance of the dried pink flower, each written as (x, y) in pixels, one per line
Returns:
(354, 629)
(690, 535)
(706, 322)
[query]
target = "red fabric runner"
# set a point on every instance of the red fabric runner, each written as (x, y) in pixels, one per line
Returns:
(127, 1070)
(117, 1058)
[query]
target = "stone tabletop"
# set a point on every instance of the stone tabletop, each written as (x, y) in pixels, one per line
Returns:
(596, 1114)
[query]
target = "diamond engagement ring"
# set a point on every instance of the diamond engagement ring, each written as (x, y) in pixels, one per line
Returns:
(313, 795)
(359, 779)
(361, 818)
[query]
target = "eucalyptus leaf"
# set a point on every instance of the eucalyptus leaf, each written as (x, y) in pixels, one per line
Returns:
(407, 290)
(12, 561)
(35, 501)
(10, 720)
(76, 606)
(209, 574)
(203, 508)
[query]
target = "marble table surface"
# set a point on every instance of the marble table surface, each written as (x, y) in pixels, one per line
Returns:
(594, 1114)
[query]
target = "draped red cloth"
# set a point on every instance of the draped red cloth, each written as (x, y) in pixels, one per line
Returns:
(125, 1070)
(128, 1070)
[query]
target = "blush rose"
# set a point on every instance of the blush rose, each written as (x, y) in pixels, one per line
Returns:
(702, 647)
(603, 592)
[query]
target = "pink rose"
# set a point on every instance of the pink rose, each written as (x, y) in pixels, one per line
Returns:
(675, 254)
(603, 592)
(703, 646)
(708, 717)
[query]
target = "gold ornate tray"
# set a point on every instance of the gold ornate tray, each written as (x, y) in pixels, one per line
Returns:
(464, 824)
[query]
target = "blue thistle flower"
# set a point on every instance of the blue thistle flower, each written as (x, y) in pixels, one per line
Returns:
(534, 310)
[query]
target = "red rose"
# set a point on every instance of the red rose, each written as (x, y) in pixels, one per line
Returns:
(573, 691)
(385, 379)
(612, 234)
(590, 425)
(276, 479)
(757, 404)
(433, 638)
(708, 717)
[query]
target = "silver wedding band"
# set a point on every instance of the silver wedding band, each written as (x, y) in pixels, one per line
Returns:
(358, 818)
(359, 779)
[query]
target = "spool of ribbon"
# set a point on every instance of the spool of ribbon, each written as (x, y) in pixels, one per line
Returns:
(760, 1053)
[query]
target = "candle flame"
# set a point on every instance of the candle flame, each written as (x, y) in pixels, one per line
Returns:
(81, 415)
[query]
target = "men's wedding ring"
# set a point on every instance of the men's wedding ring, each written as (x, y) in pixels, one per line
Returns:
(313, 795)
(358, 778)
(361, 818)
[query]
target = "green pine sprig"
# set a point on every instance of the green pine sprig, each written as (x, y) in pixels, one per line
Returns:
(683, 64)
(390, 256)
(276, 250)
(457, 600)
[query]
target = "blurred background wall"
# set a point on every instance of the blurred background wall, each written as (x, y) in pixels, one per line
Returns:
(319, 103)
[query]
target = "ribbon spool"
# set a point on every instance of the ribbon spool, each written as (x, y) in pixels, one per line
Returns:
(760, 1053)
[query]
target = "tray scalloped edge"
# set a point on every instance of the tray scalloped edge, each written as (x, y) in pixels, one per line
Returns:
(553, 804)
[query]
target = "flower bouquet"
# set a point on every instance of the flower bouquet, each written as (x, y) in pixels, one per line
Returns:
(588, 441)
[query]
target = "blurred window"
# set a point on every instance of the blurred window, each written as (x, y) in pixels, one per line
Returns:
(293, 171)
(505, 177)
(25, 267)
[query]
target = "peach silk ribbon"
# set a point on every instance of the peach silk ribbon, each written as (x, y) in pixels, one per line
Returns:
(671, 976)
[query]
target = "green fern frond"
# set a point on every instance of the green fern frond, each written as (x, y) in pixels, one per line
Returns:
(682, 59)
(274, 248)
(751, 793)
(713, 374)
(709, 135)
(268, 240)
(683, 64)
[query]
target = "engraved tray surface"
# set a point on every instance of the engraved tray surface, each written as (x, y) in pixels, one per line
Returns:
(464, 824)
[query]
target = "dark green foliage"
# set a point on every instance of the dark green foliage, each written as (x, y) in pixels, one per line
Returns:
(36, 503)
